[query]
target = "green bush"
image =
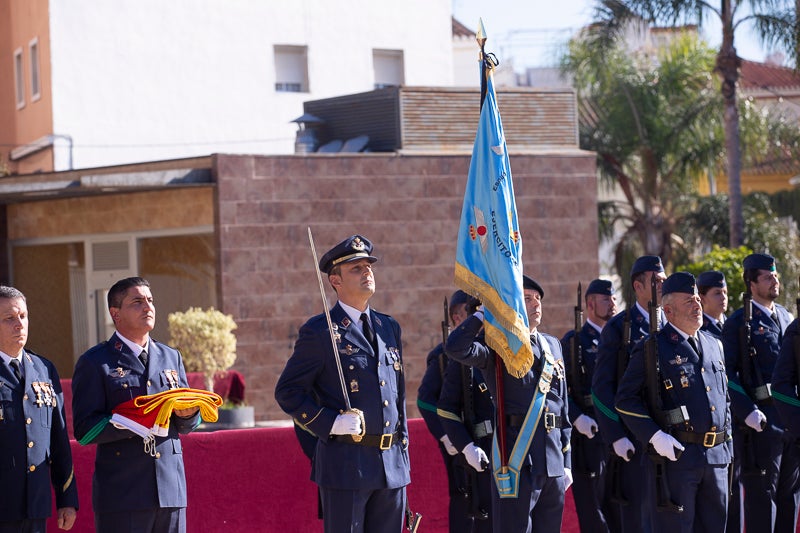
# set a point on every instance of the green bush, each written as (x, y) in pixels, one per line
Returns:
(205, 340)
(729, 262)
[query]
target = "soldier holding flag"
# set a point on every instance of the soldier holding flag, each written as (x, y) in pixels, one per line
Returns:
(537, 429)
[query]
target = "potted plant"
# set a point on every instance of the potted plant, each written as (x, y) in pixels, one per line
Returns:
(207, 343)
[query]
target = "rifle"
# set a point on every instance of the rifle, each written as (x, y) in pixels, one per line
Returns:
(622, 354)
(754, 387)
(470, 488)
(796, 347)
(577, 373)
(576, 368)
(445, 334)
(753, 383)
(651, 369)
(617, 463)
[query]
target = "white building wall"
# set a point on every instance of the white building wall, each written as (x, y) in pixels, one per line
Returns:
(142, 80)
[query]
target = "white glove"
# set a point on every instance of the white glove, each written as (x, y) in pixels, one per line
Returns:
(346, 424)
(665, 445)
(624, 448)
(586, 426)
(475, 456)
(756, 420)
(567, 478)
(448, 446)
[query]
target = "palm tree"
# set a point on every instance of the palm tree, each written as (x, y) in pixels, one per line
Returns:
(654, 122)
(775, 23)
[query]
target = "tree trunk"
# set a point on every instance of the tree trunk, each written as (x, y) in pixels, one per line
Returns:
(728, 67)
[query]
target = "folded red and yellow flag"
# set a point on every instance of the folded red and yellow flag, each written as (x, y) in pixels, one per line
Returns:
(149, 415)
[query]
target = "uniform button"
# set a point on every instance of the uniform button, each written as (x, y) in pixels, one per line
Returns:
(383, 382)
(713, 428)
(148, 383)
(702, 370)
(386, 424)
(28, 420)
(713, 408)
(30, 444)
(708, 389)
(352, 367)
(124, 385)
(25, 397)
(158, 455)
(32, 468)
(547, 408)
(117, 454)
(385, 403)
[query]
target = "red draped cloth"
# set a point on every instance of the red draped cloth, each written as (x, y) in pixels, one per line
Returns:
(258, 480)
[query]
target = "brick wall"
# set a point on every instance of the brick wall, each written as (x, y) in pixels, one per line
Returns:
(409, 206)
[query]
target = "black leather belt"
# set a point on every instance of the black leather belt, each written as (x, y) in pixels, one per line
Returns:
(384, 442)
(709, 439)
(551, 421)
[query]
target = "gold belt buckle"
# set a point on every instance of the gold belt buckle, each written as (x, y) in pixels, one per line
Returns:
(386, 441)
(710, 439)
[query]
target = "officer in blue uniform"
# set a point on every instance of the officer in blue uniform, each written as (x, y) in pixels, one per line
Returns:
(594, 508)
(132, 490)
(626, 463)
(690, 427)
(545, 472)
(770, 461)
(428, 394)
(467, 418)
(33, 434)
(713, 291)
(361, 461)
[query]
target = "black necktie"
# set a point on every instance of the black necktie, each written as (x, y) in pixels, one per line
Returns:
(17, 371)
(368, 334)
(143, 358)
(693, 342)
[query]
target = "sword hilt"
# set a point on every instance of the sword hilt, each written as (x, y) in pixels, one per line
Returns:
(360, 414)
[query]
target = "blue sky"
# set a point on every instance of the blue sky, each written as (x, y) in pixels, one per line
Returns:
(530, 31)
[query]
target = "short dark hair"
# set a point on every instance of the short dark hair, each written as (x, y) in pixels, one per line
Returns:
(11, 293)
(118, 291)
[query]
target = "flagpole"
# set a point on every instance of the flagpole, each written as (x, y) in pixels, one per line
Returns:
(500, 423)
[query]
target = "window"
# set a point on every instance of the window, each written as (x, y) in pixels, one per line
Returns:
(389, 68)
(36, 89)
(291, 69)
(19, 80)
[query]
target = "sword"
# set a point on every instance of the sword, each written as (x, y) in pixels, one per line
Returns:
(349, 408)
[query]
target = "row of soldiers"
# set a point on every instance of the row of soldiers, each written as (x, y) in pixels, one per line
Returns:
(676, 417)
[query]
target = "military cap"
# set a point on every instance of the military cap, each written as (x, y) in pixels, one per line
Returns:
(530, 284)
(459, 297)
(351, 249)
(600, 286)
(759, 262)
(711, 278)
(679, 282)
(647, 263)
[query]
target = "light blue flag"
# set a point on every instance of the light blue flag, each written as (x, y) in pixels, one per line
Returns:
(489, 250)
